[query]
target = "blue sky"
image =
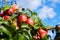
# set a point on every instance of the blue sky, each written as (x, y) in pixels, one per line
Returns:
(48, 10)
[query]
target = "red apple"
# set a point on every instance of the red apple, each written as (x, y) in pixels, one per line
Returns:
(42, 33)
(30, 21)
(46, 30)
(10, 11)
(22, 18)
(6, 17)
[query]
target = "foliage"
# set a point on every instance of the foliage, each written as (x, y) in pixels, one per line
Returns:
(8, 31)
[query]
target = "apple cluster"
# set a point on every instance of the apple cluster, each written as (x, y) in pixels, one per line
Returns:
(23, 18)
(6, 13)
(41, 33)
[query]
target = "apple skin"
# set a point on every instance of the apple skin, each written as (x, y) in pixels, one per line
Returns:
(42, 33)
(30, 21)
(6, 17)
(10, 11)
(22, 18)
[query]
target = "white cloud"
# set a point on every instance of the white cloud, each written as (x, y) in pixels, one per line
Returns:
(52, 3)
(32, 4)
(46, 12)
(59, 23)
(56, 1)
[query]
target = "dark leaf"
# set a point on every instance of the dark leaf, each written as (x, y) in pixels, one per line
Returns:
(3, 29)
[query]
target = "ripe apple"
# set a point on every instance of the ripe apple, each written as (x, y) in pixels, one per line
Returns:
(30, 21)
(22, 18)
(6, 17)
(10, 11)
(42, 33)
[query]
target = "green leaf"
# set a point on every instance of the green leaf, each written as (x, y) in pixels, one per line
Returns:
(4, 39)
(6, 7)
(3, 29)
(0, 8)
(10, 29)
(29, 32)
(10, 22)
(13, 27)
(26, 33)
(21, 37)
(36, 26)
(2, 21)
(37, 20)
(32, 13)
(1, 18)
(14, 16)
(25, 26)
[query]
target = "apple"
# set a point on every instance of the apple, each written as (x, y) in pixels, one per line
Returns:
(10, 11)
(16, 24)
(36, 37)
(6, 17)
(42, 33)
(46, 30)
(30, 21)
(22, 18)
(15, 6)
